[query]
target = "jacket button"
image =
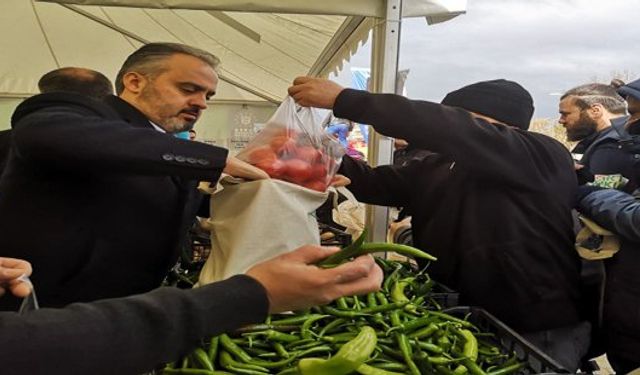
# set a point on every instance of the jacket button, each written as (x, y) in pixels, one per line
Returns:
(167, 157)
(191, 160)
(203, 162)
(181, 159)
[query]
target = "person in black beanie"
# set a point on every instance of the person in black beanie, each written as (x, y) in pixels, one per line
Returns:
(499, 100)
(493, 202)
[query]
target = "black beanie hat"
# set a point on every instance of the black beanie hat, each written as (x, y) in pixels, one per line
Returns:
(502, 100)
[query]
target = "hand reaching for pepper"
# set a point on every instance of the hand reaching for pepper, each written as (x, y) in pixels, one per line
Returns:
(10, 272)
(293, 282)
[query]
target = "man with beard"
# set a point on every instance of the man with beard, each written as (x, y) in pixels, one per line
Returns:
(113, 195)
(589, 114)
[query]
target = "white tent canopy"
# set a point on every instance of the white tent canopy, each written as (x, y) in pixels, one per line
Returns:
(367, 8)
(263, 45)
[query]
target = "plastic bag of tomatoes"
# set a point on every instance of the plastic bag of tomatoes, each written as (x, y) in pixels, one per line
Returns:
(294, 147)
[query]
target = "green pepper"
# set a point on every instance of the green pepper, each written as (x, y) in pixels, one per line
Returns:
(232, 347)
(275, 336)
(470, 348)
(390, 366)
(305, 330)
(212, 353)
(365, 369)
(346, 252)
(375, 247)
(279, 348)
(342, 313)
(193, 371)
(507, 369)
(405, 349)
(350, 356)
(227, 361)
(203, 359)
(450, 318)
(424, 332)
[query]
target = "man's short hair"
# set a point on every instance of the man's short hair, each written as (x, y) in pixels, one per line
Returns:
(147, 60)
(76, 80)
(597, 93)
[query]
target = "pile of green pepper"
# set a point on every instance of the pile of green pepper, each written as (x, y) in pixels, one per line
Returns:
(398, 330)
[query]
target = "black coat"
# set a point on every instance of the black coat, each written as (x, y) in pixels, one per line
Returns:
(127, 336)
(5, 146)
(602, 154)
(95, 198)
(494, 205)
(619, 213)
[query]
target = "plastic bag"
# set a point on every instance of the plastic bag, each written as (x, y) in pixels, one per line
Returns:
(294, 147)
(349, 213)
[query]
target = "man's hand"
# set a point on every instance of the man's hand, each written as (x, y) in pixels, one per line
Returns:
(238, 168)
(315, 92)
(293, 282)
(10, 271)
(340, 180)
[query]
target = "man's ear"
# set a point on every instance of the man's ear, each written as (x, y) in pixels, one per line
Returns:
(596, 111)
(134, 82)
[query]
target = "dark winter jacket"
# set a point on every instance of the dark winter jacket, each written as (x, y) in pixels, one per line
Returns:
(494, 205)
(620, 213)
(95, 198)
(602, 154)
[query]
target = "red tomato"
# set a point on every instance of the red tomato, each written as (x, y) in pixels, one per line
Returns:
(274, 168)
(288, 149)
(277, 142)
(315, 185)
(318, 172)
(308, 154)
(261, 154)
(297, 171)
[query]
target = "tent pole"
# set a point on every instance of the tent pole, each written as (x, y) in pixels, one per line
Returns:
(384, 67)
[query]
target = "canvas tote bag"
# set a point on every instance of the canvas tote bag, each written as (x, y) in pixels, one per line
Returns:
(256, 220)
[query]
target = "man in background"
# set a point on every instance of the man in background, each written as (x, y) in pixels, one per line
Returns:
(631, 93)
(590, 113)
(81, 81)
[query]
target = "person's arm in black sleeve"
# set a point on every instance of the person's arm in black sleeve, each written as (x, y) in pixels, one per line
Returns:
(384, 185)
(496, 152)
(611, 160)
(70, 138)
(613, 210)
(127, 335)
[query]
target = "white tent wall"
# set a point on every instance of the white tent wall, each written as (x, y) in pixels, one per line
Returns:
(218, 121)
(215, 126)
(7, 105)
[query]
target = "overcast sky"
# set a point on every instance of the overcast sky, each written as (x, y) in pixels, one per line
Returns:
(548, 46)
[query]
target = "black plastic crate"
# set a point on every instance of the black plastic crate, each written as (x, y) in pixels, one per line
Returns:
(444, 296)
(509, 340)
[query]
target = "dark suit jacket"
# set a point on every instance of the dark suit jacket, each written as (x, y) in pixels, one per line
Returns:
(95, 198)
(5, 144)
